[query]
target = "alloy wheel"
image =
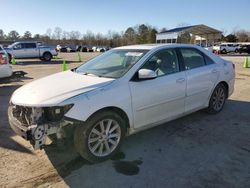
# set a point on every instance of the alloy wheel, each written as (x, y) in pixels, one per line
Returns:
(218, 99)
(104, 137)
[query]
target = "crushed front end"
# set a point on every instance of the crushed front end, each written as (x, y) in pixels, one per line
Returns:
(36, 123)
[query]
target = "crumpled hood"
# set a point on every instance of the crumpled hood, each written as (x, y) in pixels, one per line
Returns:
(53, 89)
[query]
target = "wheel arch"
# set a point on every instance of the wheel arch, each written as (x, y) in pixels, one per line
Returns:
(225, 84)
(47, 52)
(117, 110)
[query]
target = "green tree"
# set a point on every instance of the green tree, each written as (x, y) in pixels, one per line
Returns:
(1, 34)
(142, 34)
(151, 37)
(37, 36)
(27, 35)
(130, 35)
(230, 38)
(13, 35)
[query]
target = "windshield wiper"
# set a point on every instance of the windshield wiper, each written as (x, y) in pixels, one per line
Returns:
(91, 74)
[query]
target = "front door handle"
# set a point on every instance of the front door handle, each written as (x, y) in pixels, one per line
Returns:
(180, 80)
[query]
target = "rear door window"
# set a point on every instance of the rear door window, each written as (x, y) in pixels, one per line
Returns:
(30, 45)
(192, 58)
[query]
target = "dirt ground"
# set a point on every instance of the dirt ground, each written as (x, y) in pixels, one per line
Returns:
(198, 150)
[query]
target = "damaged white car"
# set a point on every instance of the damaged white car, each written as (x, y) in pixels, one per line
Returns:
(118, 93)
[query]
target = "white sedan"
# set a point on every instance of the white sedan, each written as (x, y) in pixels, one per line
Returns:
(118, 93)
(5, 67)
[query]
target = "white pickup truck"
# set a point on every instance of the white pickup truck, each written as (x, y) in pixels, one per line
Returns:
(22, 50)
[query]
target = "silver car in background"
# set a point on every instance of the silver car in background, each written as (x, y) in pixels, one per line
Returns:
(5, 67)
(29, 49)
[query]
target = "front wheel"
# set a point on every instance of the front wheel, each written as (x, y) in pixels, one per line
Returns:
(217, 99)
(47, 56)
(100, 137)
(224, 51)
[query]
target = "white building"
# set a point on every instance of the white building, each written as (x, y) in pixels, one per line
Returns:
(198, 34)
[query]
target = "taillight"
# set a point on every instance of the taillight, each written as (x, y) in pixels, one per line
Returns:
(3, 59)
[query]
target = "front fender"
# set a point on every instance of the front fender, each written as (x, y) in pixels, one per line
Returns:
(90, 102)
(80, 110)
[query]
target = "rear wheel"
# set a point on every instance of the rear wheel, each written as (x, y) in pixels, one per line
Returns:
(47, 56)
(100, 137)
(217, 99)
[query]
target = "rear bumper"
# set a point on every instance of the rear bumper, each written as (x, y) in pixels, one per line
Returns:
(54, 53)
(231, 87)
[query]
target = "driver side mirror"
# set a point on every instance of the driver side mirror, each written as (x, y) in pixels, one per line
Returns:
(146, 74)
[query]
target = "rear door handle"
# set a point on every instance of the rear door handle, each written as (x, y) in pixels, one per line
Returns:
(180, 80)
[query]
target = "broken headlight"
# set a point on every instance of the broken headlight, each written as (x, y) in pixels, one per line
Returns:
(56, 113)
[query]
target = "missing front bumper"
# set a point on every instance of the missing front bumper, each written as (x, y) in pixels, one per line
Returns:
(36, 134)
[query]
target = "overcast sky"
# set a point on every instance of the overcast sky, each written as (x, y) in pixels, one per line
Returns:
(116, 15)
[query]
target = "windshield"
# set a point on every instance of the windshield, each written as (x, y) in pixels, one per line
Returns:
(112, 64)
(10, 46)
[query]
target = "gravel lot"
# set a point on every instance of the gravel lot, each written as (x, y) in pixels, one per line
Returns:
(198, 150)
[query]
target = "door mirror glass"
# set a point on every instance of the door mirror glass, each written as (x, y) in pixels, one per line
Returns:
(145, 74)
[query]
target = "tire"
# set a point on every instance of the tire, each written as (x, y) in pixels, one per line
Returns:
(47, 56)
(224, 51)
(92, 142)
(217, 99)
(10, 57)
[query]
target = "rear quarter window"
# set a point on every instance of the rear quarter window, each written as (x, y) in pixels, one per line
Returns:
(192, 58)
(208, 60)
(30, 45)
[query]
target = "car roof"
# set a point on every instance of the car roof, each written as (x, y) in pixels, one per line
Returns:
(26, 42)
(154, 46)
